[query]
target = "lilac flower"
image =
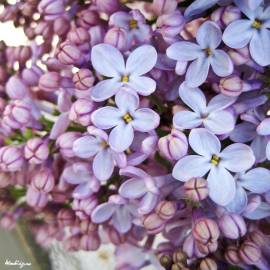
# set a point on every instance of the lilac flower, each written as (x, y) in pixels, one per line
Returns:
(264, 130)
(124, 120)
(117, 211)
(80, 174)
(254, 31)
(204, 54)
(198, 6)
(109, 62)
(235, 158)
(256, 180)
(213, 117)
(96, 145)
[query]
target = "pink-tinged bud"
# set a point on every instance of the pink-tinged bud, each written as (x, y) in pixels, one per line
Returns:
(207, 248)
(68, 54)
(205, 230)
(170, 25)
(223, 16)
(257, 237)
(117, 37)
(31, 75)
(107, 6)
(8, 221)
(232, 226)
(36, 151)
(15, 88)
(208, 264)
(3, 74)
(196, 189)
(51, 9)
(84, 208)
(173, 146)
(50, 81)
(191, 28)
(22, 54)
(153, 223)
(83, 79)
(80, 111)
(239, 56)
(160, 7)
(43, 180)
(250, 253)
(115, 237)
(166, 210)
(90, 242)
(231, 255)
(35, 198)
(44, 29)
(6, 179)
(189, 246)
(231, 86)
(79, 36)
(65, 143)
(61, 26)
(11, 158)
(66, 217)
(87, 227)
(88, 18)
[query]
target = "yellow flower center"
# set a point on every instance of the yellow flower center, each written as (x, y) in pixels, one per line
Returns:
(127, 118)
(257, 24)
(125, 79)
(208, 51)
(133, 24)
(104, 144)
(215, 160)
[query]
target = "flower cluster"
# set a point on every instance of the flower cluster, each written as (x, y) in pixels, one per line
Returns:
(145, 124)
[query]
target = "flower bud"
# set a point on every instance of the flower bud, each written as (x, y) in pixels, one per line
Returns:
(160, 7)
(239, 56)
(61, 26)
(90, 242)
(208, 264)
(88, 18)
(250, 253)
(231, 255)
(117, 37)
(178, 266)
(207, 248)
(6, 179)
(22, 54)
(173, 146)
(83, 79)
(15, 88)
(65, 143)
(51, 9)
(153, 223)
(43, 180)
(84, 207)
(72, 243)
(166, 209)
(8, 221)
(107, 6)
(68, 54)
(50, 81)
(196, 189)
(44, 29)
(231, 86)
(79, 36)
(179, 256)
(205, 230)
(36, 151)
(257, 237)
(81, 110)
(11, 158)
(66, 217)
(166, 261)
(115, 237)
(31, 75)
(232, 226)
(35, 198)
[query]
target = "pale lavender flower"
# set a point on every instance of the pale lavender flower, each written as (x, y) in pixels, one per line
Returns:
(124, 119)
(109, 61)
(254, 31)
(104, 158)
(264, 130)
(203, 55)
(235, 158)
(213, 116)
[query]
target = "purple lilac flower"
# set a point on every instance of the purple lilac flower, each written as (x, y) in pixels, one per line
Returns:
(254, 31)
(203, 55)
(109, 61)
(234, 158)
(124, 119)
(264, 130)
(213, 116)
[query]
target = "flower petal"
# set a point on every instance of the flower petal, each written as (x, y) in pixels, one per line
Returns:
(148, 203)
(86, 147)
(184, 51)
(141, 60)
(240, 201)
(261, 212)
(122, 220)
(199, 6)
(143, 85)
(145, 120)
(237, 157)
(103, 165)
(268, 151)
(220, 102)
(221, 63)
(264, 127)
(231, 35)
(243, 132)
(127, 101)
(256, 180)
(186, 120)
(197, 72)
(133, 189)
(107, 60)
(102, 213)
(204, 143)
(258, 146)
(221, 185)
(82, 191)
(121, 137)
(191, 166)
(209, 35)
(106, 117)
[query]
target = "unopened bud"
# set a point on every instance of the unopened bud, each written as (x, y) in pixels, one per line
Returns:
(179, 256)
(11, 159)
(207, 248)
(166, 261)
(196, 189)
(166, 209)
(83, 79)
(231, 255)
(250, 253)
(117, 37)
(68, 54)
(208, 264)
(66, 217)
(231, 86)
(90, 242)
(79, 36)
(43, 180)
(153, 223)
(36, 151)
(49, 82)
